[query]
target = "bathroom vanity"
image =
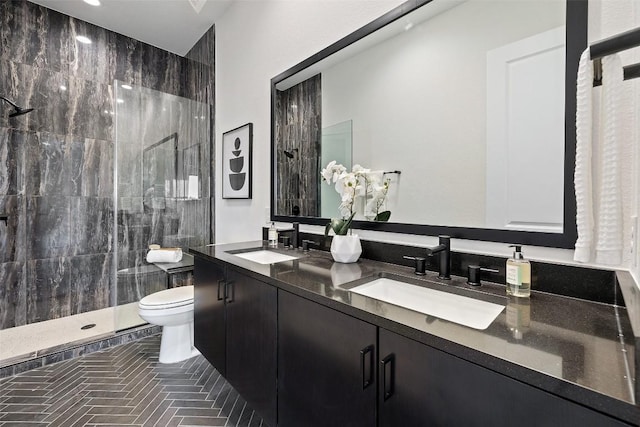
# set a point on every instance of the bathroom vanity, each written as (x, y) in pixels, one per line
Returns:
(303, 349)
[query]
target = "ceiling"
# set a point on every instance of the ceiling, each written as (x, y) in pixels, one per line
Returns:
(172, 25)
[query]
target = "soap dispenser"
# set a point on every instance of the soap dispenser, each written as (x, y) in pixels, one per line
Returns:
(273, 235)
(518, 274)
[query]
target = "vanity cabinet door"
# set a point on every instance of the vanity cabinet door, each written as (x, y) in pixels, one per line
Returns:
(252, 342)
(421, 386)
(209, 312)
(326, 366)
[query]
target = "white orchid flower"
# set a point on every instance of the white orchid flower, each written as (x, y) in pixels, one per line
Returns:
(360, 171)
(327, 173)
(360, 182)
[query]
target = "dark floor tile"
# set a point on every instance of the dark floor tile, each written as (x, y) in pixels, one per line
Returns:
(203, 421)
(182, 388)
(26, 400)
(164, 419)
(156, 412)
(22, 417)
(198, 412)
(110, 410)
(123, 385)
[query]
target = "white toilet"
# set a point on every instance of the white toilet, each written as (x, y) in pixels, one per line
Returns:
(173, 310)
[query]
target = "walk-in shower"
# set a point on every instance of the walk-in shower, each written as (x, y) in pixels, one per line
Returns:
(152, 183)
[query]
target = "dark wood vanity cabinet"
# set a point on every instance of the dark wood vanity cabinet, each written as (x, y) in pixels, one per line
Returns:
(209, 330)
(326, 366)
(235, 329)
(252, 342)
(420, 386)
(300, 363)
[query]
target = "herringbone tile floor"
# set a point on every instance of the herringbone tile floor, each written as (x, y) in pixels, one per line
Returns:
(123, 386)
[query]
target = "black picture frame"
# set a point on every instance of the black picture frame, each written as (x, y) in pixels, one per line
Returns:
(237, 162)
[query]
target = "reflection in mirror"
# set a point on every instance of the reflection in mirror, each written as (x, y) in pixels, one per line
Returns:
(298, 150)
(336, 144)
(467, 98)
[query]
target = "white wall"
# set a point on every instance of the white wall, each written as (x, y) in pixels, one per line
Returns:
(256, 40)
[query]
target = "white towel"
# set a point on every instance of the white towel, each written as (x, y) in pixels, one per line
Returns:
(582, 175)
(609, 222)
(164, 255)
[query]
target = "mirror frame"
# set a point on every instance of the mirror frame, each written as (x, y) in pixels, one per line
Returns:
(576, 42)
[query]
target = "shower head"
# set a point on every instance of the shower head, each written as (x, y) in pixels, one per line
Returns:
(18, 111)
(290, 154)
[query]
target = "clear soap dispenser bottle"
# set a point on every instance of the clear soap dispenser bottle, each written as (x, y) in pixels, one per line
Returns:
(273, 235)
(518, 274)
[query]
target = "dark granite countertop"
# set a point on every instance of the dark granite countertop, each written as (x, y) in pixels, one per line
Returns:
(583, 351)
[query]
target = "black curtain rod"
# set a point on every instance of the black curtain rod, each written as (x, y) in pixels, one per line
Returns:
(632, 71)
(618, 43)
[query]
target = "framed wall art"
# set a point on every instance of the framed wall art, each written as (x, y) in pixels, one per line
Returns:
(237, 165)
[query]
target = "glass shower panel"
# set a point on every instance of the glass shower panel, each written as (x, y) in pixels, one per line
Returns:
(162, 189)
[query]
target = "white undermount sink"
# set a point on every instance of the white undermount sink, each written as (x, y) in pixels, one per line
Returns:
(455, 308)
(265, 257)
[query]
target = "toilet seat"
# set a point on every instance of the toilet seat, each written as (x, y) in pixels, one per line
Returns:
(168, 299)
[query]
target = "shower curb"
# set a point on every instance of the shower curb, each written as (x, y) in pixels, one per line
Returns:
(74, 351)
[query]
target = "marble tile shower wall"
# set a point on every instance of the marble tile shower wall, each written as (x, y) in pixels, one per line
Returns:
(57, 163)
(300, 104)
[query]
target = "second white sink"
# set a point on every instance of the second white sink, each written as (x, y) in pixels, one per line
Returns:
(265, 257)
(455, 308)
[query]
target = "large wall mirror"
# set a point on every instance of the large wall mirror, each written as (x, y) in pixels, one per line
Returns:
(466, 109)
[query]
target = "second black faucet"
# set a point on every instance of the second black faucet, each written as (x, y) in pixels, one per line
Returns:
(295, 235)
(444, 249)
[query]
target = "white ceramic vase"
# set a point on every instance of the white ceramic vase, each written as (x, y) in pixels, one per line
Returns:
(346, 249)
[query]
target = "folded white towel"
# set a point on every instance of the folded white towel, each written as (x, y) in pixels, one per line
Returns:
(164, 255)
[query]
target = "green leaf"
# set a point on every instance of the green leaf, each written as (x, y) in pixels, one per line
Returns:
(345, 224)
(327, 228)
(340, 226)
(383, 216)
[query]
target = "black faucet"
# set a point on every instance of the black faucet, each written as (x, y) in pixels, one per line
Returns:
(295, 235)
(444, 249)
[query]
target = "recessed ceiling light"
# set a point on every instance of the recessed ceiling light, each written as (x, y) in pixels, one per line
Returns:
(93, 2)
(63, 87)
(83, 39)
(120, 101)
(127, 87)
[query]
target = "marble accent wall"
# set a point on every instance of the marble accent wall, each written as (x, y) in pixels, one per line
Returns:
(298, 132)
(57, 162)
